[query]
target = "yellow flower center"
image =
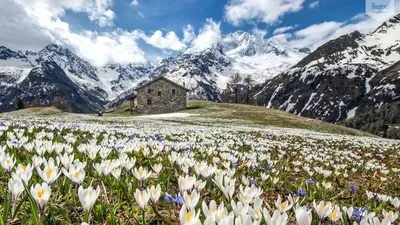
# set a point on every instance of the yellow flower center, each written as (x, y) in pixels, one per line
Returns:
(49, 171)
(256, 212)
(24, 168)
(140, 172)
(223, 213)
(283, 205)
(212, 209)
(334, 215)
(391, 214)
(7, 161)
(188, 216)
(323, 207)
(244, 197)
(190, 197)
(40, 193)
(154, 191)
(77, 174)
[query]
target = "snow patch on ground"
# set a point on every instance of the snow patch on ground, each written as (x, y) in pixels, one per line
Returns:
(168, 115)
(351, 113)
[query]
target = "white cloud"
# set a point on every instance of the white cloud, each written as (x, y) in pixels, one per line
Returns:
(188, 33)
(318, 34)
(209, 36)
(360, 16)
(315, 33)
(98, 10)
(170, 41)
(141, 14)
(259, 33)
(32, 26)
(267, 11)
(135, 2)
(314, 5)
(281, 30)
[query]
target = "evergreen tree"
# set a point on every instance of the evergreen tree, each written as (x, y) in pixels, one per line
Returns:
(20, 104)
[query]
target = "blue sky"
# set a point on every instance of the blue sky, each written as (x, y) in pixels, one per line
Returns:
(172, 15)
(123, 31)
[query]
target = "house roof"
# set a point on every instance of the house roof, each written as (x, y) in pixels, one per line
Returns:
(159, 78)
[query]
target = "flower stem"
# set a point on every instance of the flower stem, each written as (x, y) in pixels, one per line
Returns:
(143, 217)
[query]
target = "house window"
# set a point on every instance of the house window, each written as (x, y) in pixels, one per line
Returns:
(149, 101)
(159, 93)
(173, 91)
(149, 91)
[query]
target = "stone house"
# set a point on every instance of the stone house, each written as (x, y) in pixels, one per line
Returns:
(160, 95)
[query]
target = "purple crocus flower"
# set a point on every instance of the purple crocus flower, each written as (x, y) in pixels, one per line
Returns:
(251, 180)
(302, 192)
(353, 188)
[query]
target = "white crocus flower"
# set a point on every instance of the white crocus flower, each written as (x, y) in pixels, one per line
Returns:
(88, 197)
(277, 218)
(155, 193)
(191, 199)
(142, 198)
(16, 187)
(141, 174)
(116, 172)
(157, 168)
(186, 183)
(23, 172)
(76, 175)
(8, 162)
(66, 160)
(41, 194)
(189, 217)
(282, 206)
(391, 215)
(239, 208)
(303, 216)
(323, 209)
(336, 214)
(50, 173)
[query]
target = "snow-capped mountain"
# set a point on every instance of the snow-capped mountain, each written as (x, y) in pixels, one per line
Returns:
(205, 72)
(117, 78)
(342, 78)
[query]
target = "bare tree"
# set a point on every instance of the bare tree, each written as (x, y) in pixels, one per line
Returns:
(234, 83)
(248, 80)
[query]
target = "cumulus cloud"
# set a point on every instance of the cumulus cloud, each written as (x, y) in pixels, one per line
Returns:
(188, 33)
(209, 36)
(317, 34)
(135, 2)
(266, 11)
(32, 26)
(259, 33)
(281, 30)
(170, 41)
(314, 5)
(98, 11)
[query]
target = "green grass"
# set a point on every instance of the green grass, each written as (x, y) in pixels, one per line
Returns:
(253, 115)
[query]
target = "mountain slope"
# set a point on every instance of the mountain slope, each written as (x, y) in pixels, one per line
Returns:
(47, 84)
(341, 78)
(206, 72)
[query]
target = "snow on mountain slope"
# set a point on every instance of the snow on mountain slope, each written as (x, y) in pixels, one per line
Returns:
(379, 49)
(116, 78)
(206, 72)
(342, 78)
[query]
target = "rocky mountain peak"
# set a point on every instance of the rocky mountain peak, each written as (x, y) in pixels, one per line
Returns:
(6, 53)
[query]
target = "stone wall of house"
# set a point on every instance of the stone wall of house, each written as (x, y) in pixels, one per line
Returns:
(167, 101)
